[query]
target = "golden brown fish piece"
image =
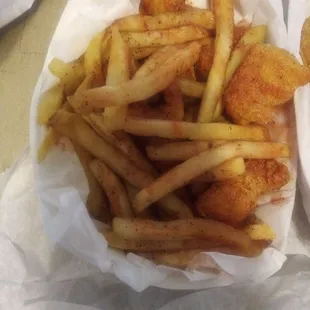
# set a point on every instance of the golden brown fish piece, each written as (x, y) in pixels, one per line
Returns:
(267, 77)
(233, 200)
(305, 42)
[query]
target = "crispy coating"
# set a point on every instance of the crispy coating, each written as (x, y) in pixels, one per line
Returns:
(232, 201)
(305, 42)
(154, 7)
(266, 78)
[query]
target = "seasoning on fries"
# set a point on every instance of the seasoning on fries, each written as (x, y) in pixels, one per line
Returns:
(167, 111)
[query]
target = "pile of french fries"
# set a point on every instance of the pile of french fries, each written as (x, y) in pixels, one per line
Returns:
(147, 128)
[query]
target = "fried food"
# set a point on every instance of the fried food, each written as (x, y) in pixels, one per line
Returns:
(232, 201)
(305, 42)
(191, 88)
(154, 7)
(205, 61)
(267, 77)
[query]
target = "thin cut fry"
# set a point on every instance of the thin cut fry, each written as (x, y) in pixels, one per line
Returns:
(114, 189)
(106, 46)
(194, 131)
(170, 36)
(142, 52)
(192, 88)
(97, 203)
(176, 151)
(227, 170)
(224, 17)
(154, 7)
(203, 229)
(74, 127)
(70, 74)
(132, 23)
(118, 242)
(140, 89)
(260, 231)
(118, 72)
(195, 166)
(305, 42)
(203, 18)
(48, 142)
(93, 59)
(50, 103)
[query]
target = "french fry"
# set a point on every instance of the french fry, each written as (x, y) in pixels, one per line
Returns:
(240, 29)
(51, 101)
(93, 59)
(224, 17)
(142, 52)
(192, 88)
(305, 42)
(48, 142)
(205, 61)
(260, 232)
(118, 242)
(177, 151)
(132, 23)
(201, 229)
(71, 74)
(154, 7)
(194, 131)
(170, 36)
(118, 72)
(97, 203)
(106, 46)
(140, 89)
(74, 127)
(114, 189)
(203, 18)
(195, 166)
(227, 170)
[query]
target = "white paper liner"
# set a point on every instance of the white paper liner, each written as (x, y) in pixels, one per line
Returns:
(62, 187)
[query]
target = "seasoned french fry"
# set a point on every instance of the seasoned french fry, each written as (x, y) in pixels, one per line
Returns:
(93, 59)
(193, 131)
(195, 166)
(114, 189)
(154, 7)
(240, 29)
(165, 37)
(118, 72)
(142, 52)
(260, 232)
(305, 42)
(227, 170)
(139, 89)
(118, 242)
(132, 23)
(97, 203)
(74, 127)
(176, 151)
(47, 143)
(192, 88)
(71, 74)
(106, 46)
(203, 18)
(51, 101)
(203, 229)
(224, 17)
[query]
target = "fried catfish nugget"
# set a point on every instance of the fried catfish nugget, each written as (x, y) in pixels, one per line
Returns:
(232, 201)
(266, 78)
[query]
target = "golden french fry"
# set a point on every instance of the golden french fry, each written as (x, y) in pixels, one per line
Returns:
(203, 18)
(256, 34)
(305, 42)
(260, 232)
(194, 131)
(154, 7)
(176, 151)
(155, 60)
(139, 89)
(170, 36)
(192, 88)
(118, 72)
(74, 127)
(51, 101)
(93, 59)
(71, 74)
(240, 29)
(182, 174)
(97, 203)
(106, 46)
(113, 188)
(224, 17)
(189, 229)
(142, 52)
(227, 170)
(47, 143)
(118, 242)
(132, 23)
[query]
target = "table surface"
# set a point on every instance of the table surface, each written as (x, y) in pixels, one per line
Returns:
(23, 45)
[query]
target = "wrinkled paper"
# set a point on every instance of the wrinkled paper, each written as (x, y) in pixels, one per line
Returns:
(62, 187)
